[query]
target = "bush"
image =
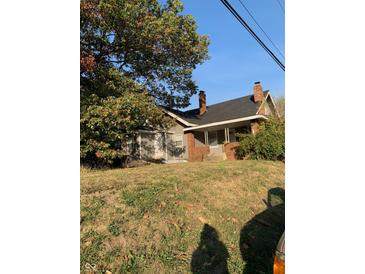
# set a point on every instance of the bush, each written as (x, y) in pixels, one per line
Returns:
(267, 144)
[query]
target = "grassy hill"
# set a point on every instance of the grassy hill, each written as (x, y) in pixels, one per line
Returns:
(209, 217)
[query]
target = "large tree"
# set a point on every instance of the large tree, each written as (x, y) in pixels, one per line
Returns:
(140, 40)
(132, 48)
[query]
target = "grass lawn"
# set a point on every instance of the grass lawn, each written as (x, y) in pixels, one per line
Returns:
(209, 217)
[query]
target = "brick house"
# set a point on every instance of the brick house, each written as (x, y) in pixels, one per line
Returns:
(208, 132)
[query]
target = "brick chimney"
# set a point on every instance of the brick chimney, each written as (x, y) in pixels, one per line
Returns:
(258, 94)
(202, 102)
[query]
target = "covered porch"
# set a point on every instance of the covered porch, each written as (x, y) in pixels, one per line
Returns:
(218, 139)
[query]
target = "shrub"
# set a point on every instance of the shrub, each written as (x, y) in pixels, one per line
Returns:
(267, 144)
(247, 143)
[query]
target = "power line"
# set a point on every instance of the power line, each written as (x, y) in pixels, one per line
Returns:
(247, 27)
(281, 6)
(267, 36)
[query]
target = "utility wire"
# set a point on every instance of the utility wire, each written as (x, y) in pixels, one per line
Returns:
(281, 6)
(247, 27)
(267, 36)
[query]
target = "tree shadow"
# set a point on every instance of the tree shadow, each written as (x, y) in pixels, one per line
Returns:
(260, 235)
(152, 143)
(211, 255)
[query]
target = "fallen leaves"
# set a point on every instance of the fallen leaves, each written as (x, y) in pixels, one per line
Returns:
(203, 220)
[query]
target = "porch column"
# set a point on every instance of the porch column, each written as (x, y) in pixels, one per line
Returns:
(140, 145)
(226, 135)
(191, 145)
(206, 137)
(165, 136)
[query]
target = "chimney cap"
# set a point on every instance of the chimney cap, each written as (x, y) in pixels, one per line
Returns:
(201, 92)
(257, 83)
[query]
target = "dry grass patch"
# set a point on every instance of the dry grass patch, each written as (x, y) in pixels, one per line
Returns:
(152, 219)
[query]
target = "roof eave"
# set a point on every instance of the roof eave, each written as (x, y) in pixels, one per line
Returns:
(263, 103)
(186, 123)
(227, 122)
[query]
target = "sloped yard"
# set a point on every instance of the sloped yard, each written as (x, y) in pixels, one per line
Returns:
(209, 217)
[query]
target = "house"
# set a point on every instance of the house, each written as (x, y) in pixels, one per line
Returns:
(208, 132)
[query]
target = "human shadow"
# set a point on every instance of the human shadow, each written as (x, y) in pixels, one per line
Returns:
(260, 235)
(211, 255)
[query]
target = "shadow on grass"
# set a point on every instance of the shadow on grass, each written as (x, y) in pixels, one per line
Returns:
(260, 235)
(258, 240)
(211, 255)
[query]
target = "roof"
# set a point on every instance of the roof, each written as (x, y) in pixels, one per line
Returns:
(228, 110)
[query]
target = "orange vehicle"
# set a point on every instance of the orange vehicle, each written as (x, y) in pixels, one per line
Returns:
(279, 260)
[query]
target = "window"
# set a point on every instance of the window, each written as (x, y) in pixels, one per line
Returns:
(178, 140)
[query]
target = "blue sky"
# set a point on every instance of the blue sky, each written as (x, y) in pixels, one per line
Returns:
(236, 59)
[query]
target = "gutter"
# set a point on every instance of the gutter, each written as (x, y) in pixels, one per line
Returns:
(227, 122)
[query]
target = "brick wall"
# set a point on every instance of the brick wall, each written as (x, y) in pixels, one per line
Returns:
(195, 154)
(199, 153)
(230, 150)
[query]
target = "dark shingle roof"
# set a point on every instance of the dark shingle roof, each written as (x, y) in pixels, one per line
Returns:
(232, 109)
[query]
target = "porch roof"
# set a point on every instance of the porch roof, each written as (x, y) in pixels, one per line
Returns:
(227, 122)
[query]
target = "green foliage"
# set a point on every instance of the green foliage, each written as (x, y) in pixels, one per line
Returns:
(132, 48)
(146, 42)
(247, 144)
(267, 144)
(106, 126)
